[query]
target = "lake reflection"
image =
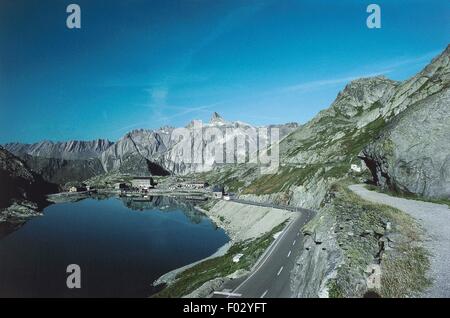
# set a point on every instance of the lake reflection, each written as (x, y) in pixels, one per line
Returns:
(121, 245)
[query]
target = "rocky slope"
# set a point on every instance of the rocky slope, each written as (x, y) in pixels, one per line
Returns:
(70, 150)
(409, 122)
(142, 143)
(139, 152)
(61, 171)
(412, 155)
(61, 162)
(323, 150)
(164, 147)
(22, 192)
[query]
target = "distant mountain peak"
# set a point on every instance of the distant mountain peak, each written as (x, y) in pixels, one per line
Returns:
(216, 119)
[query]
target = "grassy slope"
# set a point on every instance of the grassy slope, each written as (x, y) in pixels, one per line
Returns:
(194, 277)
(403, 266)
(337, 155)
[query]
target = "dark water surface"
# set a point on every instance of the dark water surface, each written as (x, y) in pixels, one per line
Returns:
(122, 246)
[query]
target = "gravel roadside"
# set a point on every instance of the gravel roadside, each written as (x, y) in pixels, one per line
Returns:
(435, 219)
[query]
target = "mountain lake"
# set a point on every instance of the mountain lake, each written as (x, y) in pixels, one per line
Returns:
(120, 245)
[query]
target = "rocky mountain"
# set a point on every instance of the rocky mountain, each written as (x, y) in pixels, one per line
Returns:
(312, 156)
(139, 152)
(19, 183)
(165, 147)
(401, 131)
(22, 192)
(69, 150)
(322, 151)
(141, 144)
(61, 171)
(412, 155)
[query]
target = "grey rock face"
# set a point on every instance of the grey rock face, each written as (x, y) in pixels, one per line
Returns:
(321, 151)
(139, 152)
(144, 143)
(161, 148)
(413, 155)
(70, 150)
(20, 184)
(61, 171)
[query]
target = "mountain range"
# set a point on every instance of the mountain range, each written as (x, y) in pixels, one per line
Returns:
(392, 133)
(367, 125)
(410, 117)
(139, 152)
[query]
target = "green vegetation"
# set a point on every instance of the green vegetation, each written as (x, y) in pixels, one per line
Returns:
(410, 196)
(231, 176)
(355, 142)
(403, 265)
(334, 290)
(208, 204)
(350, 145)
(192, 278)
(107, 180)
(282, 180)
(337, 171)
(300, 146)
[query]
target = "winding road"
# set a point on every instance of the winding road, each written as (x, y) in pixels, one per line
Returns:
(270, 277)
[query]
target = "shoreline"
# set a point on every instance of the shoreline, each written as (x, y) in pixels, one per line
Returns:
(241, 233)
(242, 222)
(170, 276)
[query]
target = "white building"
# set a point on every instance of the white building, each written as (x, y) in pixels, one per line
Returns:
(77, 189)
(142, 182)
(237, 257)
(355, 168)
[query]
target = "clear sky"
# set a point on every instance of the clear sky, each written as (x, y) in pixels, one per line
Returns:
(146, 64)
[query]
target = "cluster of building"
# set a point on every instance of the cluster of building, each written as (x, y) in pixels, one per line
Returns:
(137, 183)
(191, 185)
(80, 188)
(143, 184)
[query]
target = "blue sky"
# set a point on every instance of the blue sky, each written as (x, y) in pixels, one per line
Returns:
(146, 64)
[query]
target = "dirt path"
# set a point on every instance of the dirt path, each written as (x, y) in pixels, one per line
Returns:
(435, 219)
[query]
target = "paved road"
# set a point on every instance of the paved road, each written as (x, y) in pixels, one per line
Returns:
(270, 278)
(435, 218)
(270, 205)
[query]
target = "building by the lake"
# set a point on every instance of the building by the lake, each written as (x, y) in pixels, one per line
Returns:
(142, 182)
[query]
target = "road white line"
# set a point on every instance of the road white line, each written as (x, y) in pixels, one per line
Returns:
(264, 294)
(223, 293)
(279, 272)
(298, 233)
(276, 242)
(293, 243)
(289, 254)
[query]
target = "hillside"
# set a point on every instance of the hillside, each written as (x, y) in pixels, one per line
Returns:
(411, 155)
(70, 150)
(22, 192)
(323, 150)
(139, 152)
